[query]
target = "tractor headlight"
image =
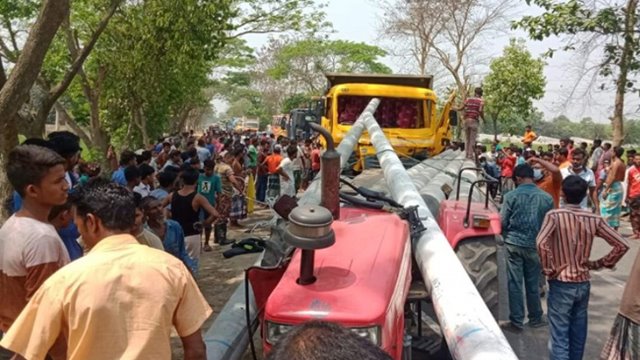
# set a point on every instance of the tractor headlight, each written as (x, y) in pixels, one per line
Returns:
(370, 333)
(276, 331)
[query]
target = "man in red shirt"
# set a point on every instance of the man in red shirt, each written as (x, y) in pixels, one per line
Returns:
(473, 111)
(633, 194)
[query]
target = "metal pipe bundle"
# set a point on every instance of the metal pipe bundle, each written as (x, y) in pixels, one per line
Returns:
(345, 148)
(467, 324)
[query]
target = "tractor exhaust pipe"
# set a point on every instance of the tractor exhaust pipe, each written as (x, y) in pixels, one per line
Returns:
(345, 148)
(467, 325)
(309, 229)
(330, 169)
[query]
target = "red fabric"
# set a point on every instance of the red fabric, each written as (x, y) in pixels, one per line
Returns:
(472, 108)
(507, 164)
(634, 182)
(315, 160)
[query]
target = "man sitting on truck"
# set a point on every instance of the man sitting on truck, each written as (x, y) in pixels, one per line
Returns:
(473, 111)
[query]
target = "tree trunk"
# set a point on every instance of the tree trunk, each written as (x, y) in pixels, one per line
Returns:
(625, 60)
(78, 56)
(15, 90)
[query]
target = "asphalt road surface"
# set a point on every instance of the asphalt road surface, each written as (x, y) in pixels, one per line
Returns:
(606, 291)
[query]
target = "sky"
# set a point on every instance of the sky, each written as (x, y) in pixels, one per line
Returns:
(357, 20)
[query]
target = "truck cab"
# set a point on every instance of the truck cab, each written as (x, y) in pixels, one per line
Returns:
(407, 114)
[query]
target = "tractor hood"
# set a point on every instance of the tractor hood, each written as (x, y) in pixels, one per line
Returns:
(360, 279)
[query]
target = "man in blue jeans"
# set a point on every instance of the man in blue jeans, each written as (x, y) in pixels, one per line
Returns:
(522, 214)
(564, 246)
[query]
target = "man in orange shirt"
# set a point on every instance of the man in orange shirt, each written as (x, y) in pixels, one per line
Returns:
(529, 137)
(273, 179)
(547, 176)
(562, 158)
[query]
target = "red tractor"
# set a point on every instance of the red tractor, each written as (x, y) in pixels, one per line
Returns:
(352, 265)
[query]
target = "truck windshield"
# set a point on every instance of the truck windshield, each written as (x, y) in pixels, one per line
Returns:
(400, 113)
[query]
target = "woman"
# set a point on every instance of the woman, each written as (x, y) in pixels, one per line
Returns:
(228, 184)
(612, 194)
(238, 200)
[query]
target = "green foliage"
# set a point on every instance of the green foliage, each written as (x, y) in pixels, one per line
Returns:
(294, 101)
(584, 19)
(515, 80)
(279, 16)
(305, 61)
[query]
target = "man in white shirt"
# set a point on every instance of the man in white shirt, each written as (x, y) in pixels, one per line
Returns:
(285, 169)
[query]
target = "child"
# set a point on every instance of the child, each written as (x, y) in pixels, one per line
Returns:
(30, 248)
(61, 217)
(209, 186)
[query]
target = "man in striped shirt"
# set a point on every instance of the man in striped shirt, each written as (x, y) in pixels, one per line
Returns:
(473, 111)
(564, 245)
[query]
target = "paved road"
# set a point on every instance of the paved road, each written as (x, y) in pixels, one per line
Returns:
(606, 291)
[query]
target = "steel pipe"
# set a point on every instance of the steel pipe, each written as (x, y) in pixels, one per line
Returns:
(468, 326)
(350, 140)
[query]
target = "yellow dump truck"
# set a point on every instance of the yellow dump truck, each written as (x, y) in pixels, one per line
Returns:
(407, 114)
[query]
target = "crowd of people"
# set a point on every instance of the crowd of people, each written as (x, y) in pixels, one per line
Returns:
(555, 200)
(142, 228)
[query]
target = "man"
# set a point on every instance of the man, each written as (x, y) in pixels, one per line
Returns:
(273, 180)
(473, 112)
(61, 218)
(174, 162)
(144, 236)
(210, 187)
(564, 245)
(30, 248)
(132, 176)
(522, 214)
(67, 144)
(577, 168)
(202, 151)
(596, 153)
(285, 170)
(163, 156)
(147, 176)
(529, 137)
(166, 180)
(547, 176)
(607, 155)
(612, 194)
(127, 158)
(168, 231)
(186, 205)
(633, 194)
(91, 300)
(562, 158)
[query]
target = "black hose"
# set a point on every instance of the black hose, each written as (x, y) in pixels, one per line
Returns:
(248, 315)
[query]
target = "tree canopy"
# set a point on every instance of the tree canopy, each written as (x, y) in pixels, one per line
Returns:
(587, 24)
(516, 79)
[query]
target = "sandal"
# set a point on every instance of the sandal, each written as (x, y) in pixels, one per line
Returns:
(207, 248)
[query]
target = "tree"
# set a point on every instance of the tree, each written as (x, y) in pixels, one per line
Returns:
(15, 87)
(591, 22)
(515, 80)
(445, 31)
(304, 62)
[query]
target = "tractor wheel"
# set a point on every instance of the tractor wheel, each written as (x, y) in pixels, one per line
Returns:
(479, 257)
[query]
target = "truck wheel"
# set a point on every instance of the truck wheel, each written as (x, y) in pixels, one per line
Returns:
(479, 257)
